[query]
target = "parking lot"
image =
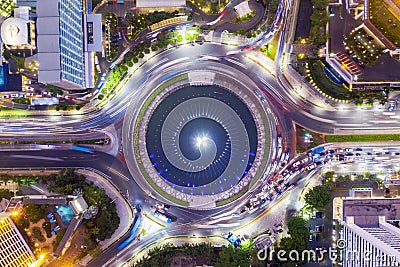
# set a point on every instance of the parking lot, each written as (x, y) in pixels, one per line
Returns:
(320, 232)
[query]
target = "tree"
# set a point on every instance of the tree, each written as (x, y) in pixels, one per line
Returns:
(100, 97)
(154, 48)
(4, 193)
(297, 228)
(135, 60)
(34, 212)
(318, 197)
(141, 55)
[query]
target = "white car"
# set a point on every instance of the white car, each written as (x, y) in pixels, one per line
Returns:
(14, 95)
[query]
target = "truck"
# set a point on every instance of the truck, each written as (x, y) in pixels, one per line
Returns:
(83, 149)
(162, 217)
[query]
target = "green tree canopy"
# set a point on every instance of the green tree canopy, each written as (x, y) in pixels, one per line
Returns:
(4, 193)
(298, 228)
(318, 197)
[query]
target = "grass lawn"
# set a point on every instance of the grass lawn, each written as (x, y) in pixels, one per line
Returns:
(272, 45)
(324, 83)
(362, 138)
(314, 139)
(385, 20)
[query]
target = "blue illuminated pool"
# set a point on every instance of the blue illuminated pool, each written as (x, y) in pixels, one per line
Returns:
(65, 213)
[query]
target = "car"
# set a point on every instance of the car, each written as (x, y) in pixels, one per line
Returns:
(310, 229)
(310, 238)
(31, 82)
(14, 95)
(317, 237)
(319, 228)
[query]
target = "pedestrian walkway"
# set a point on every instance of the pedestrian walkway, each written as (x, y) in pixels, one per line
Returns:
(124, 209)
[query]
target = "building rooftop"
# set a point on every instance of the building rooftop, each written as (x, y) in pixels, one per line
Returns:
(14, 252)
(367, 211)
(390, 238)
(78, 205)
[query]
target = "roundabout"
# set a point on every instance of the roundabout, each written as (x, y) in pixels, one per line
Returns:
(199, 140)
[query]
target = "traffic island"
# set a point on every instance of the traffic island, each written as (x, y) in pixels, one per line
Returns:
(162, 178)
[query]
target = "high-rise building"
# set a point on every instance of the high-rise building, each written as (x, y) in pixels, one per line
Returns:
(64, 52)
(369, 239)
(14, 252)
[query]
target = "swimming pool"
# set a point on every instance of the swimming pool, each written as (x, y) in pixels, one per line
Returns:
(65, 213)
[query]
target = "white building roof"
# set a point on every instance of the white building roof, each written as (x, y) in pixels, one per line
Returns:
(22, 12)
(78, 205)
(160, 3)
(48, 43)
(49, 61)
(47, 8)
(14, 31)
(96, 44)
(48, 25)
(49, 76)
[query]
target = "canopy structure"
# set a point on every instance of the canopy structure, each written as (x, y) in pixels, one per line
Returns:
(14, 31)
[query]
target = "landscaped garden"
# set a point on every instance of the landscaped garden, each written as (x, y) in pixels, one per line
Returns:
(383, 18)
(363, 47)
(104, 224)
(319, 18)
(202, 254)
(111, 25)
(363, 138)
(323, 82)
(210, 7)
(42, 226)
(139, 22)
(306, 139)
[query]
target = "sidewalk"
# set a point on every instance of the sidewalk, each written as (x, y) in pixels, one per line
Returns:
(124, 209)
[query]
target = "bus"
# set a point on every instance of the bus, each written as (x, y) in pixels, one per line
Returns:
(83, 149)
(136, 225)
(133, 233)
